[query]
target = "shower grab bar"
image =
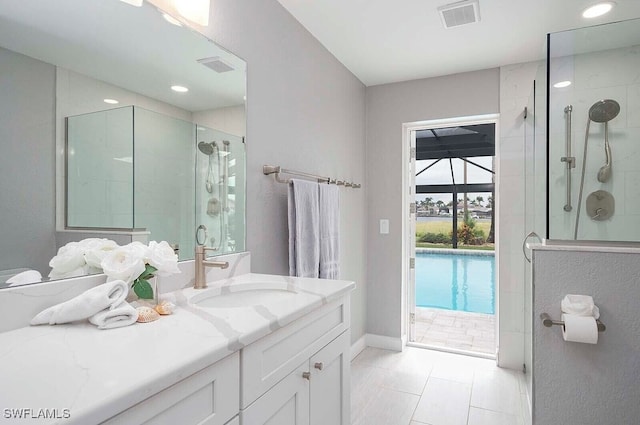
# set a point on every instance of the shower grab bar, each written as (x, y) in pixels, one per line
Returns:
(276, 169)
(570, 160)
(548, 322)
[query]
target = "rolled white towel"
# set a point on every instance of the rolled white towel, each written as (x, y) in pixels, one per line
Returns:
(84, 305)
(26, 277)
(579, 305)
(115, 317)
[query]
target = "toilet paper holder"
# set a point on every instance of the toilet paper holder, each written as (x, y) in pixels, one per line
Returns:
(548, 322)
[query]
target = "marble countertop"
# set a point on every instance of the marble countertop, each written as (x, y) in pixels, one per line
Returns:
(99, 373)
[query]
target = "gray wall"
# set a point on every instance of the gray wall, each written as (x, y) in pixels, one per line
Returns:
(388, 107)
(582, 383)
(306, 111)
(27, 200)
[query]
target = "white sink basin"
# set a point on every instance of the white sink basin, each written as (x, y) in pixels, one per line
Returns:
(242, 298)
(244, 294)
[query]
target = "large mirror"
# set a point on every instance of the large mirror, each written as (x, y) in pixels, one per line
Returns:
(100, 139)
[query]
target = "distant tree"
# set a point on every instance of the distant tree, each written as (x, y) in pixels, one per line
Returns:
(440, 204)
(480, 200)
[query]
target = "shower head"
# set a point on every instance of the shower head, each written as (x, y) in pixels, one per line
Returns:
(206, 148)
(604, 110)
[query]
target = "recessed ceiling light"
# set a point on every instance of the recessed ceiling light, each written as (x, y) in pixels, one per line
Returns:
(561, 84)
(179, 89)
(171, 19)
(598, 9)
(111, 101)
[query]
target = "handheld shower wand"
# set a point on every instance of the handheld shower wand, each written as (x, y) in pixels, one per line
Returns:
(604, 111)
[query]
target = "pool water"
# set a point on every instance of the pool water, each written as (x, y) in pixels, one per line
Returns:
(456, 282)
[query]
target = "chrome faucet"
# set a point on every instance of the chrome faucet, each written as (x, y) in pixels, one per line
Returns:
(201, 262)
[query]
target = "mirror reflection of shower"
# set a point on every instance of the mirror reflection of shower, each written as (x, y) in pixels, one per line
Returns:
(216, 185)
(602, 111)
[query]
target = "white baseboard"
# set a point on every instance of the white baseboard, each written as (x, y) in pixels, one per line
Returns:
(358, 346)
(384, 342)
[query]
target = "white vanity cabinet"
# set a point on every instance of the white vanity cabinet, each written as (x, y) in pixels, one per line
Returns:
(208, 397)
(299, 374)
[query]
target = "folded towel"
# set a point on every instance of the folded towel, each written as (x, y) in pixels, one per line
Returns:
(304, 237)
(115, 317)
(329, 231)
(26, 277)
(579, 305)
(84, 305)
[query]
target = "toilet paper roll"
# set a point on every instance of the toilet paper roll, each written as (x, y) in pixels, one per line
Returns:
(579, 329)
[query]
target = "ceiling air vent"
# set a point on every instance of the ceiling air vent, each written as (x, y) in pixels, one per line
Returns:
(460, 13)
(216, 63)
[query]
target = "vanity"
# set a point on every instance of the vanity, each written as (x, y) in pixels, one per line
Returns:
(250, 349)
(134, 159)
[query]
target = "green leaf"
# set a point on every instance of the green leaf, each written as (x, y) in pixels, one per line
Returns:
(148, 272)
(143, 289)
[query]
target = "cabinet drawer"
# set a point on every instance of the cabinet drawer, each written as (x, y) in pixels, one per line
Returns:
(268, 360)
(207, 397)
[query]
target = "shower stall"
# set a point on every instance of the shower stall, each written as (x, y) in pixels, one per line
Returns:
(131, 169)
(220, 172)
(593, 124)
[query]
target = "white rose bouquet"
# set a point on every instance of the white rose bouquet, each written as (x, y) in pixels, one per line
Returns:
(136, 263)
(80, 258)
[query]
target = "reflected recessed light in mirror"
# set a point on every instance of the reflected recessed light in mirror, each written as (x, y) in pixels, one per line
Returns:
(179, 89)
(561, 84)
(598, 9)
(137, 3)
(171, 19)
(111, 101)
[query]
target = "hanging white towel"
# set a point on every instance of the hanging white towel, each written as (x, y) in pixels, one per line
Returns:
(329, 231)
(304, 234)
(84, 305)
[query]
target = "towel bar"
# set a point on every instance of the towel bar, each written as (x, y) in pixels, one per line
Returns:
(548, 322)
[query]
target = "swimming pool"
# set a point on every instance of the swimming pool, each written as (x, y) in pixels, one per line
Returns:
(456, 282)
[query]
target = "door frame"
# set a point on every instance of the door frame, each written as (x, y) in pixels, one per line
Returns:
(408, 196)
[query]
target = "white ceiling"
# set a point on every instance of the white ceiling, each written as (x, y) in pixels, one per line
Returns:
(384, 41)
(130, 47)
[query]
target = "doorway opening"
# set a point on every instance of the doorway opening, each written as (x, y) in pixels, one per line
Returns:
(451, 297)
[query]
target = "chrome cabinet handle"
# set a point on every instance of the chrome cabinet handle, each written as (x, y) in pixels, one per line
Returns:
(525, 245)
(306, 375)
(319, 365)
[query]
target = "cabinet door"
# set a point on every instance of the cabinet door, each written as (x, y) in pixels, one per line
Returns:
(330, 383)
(287, 403)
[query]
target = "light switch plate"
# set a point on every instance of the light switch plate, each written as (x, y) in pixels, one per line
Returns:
(384, 226)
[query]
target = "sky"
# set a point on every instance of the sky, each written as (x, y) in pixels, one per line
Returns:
(441, 174)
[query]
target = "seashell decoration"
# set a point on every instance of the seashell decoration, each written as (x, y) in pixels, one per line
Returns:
(165, 307)
(147, 314)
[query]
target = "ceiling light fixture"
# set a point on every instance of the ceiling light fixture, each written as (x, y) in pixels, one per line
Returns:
(179, 89)
(111, 101)
(598, 9)
(194, 10)
(562, 84)
(171, 20)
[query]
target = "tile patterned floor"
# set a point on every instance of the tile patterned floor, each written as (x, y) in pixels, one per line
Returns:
(456, 329)
(419, 386)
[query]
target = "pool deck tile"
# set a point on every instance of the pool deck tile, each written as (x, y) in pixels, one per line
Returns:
(456, 329)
